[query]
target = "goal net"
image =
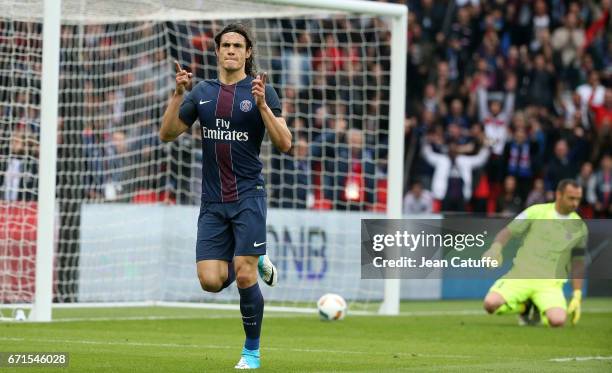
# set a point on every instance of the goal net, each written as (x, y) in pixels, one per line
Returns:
(127, 204)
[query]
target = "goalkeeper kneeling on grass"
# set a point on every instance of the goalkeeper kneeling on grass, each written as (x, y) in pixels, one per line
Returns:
(554, 239)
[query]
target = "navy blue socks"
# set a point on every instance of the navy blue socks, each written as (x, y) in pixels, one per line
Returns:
(252, 308)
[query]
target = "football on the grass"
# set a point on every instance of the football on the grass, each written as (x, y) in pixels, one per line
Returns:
(331, 307)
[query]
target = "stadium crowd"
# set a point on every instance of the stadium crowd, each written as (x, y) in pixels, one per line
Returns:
(504, 99)
(520, 98)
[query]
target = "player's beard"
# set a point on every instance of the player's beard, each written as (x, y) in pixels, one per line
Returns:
(233, 67)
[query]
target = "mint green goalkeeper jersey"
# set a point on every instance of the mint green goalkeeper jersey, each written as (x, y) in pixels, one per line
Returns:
(550, 240)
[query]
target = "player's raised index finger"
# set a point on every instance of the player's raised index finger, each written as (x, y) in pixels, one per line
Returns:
(177, 66)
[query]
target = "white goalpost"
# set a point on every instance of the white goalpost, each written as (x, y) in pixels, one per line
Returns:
(95, 211)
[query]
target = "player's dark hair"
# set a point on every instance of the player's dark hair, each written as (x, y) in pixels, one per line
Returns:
(249, 67)
(565, 182)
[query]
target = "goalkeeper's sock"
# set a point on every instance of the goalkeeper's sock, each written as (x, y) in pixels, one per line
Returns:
(231, 276)
(508, 308)
(251, 308)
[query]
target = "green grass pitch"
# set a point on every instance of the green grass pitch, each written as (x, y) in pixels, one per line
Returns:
(453, 336)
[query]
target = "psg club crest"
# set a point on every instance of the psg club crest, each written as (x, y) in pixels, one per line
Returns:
(246, 105)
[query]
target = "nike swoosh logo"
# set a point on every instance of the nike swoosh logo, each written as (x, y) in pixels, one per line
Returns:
(204, 102)
(255, 244)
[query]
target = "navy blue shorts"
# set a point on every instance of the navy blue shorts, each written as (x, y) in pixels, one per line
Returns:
(231, 229)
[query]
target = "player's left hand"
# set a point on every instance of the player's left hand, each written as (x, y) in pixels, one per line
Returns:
(574, 307)
(259, 89)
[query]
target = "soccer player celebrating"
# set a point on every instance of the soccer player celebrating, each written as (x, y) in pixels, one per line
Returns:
(234, 112)
(554, 237)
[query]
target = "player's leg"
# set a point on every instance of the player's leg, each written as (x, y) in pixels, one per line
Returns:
(550, 300)
(250, 226)
(251, 308)
(492, 301)
(214, 249)
(506, 296)
(248, 218)
(215, 275)
(555, 316)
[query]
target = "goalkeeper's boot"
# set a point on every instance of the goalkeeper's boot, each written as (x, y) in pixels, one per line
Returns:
(248, 360)
(267, 270)
(523, 318)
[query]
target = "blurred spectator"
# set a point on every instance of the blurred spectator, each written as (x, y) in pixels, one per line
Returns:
(452, 179)
(496, 124)
(418, 200)
(432, 102)
(560, 167)
(355, 173)
(118, 165)
(14, 168)
(495, 119)
(297, 64)
(463, 30)
(93, 152)
(587, 180)
(348, 170)
(521, 157)
(591, 93)
(603, 188)
(541, 83)
(290, 177)
(430, 15)
(330, 57)
(456, 115)
(541, 23)
(603, 113)
(537, 194)
(509, 203)
(568, 41)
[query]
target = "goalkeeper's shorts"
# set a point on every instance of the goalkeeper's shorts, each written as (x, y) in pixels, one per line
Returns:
(544, 293)
(231, 229)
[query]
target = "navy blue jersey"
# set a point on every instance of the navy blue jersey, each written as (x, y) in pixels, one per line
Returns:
(232, 131)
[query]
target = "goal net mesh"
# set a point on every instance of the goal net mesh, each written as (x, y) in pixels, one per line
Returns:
(127, 204)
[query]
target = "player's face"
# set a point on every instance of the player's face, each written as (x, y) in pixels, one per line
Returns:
(569, 199)
(232, 52)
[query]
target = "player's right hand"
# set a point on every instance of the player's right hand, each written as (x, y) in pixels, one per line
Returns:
(183, 79)
(495, 253)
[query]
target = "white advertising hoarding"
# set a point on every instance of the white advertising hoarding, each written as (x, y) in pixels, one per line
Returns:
(147, 252)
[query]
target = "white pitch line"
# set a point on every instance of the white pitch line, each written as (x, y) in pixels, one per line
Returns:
(444, 313)
(222, 347)
(426, 313)
(155, 318)
(580, 358)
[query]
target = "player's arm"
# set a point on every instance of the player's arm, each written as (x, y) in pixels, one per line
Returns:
(495, 251)
(518, 225)
(578, 273)
(172, 125)
(276, 126)
(483, 109)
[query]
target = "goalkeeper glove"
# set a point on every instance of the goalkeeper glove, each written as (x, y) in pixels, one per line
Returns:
(574, 307)
(495, 253)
